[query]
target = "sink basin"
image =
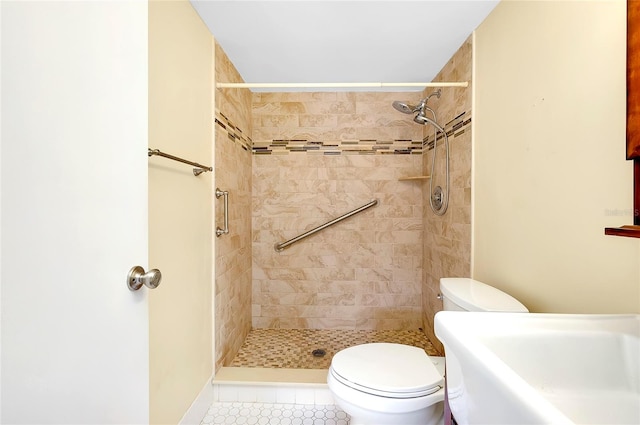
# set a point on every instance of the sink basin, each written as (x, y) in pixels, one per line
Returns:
(529, 368)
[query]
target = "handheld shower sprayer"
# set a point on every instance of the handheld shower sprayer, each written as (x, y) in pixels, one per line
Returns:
(439, 198)
(421, 118)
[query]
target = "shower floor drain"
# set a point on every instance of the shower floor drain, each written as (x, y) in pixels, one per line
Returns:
(319, 352)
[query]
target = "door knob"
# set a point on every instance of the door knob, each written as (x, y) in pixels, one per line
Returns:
(137, 277)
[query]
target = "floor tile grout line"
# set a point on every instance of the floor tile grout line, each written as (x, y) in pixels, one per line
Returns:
(292, 348)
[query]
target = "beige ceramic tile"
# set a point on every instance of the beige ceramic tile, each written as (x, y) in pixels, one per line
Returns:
(339, 277)
(233, 280)
(447, 238)
(349, 254)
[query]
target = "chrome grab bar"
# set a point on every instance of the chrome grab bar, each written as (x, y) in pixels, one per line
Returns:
(196, 171)
(281, 246)
(225, 193)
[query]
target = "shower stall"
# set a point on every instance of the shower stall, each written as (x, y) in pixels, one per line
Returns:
(292, 161)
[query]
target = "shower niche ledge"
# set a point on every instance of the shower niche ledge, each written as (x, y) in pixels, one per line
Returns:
(412, 178)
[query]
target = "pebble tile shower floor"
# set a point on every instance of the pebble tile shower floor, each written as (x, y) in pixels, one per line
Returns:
(293, 348)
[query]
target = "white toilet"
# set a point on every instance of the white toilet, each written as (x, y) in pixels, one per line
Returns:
(382, 383)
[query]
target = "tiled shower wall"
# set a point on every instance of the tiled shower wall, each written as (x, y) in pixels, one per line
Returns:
(232, 251)
(447, 238)
(318, 156)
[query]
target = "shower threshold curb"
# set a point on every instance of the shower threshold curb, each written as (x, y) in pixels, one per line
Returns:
(270, 376)
(265, 385)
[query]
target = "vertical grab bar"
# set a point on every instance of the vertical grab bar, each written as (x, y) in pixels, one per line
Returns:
(225, 193)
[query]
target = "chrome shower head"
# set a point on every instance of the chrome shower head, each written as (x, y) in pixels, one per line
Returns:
(405, 108)
(420, 110)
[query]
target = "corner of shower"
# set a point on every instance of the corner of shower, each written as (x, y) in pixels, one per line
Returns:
(438, 196)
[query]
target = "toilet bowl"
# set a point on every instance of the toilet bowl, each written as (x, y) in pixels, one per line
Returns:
(384, 383)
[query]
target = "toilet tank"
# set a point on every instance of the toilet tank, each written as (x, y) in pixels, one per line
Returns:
(464, 294)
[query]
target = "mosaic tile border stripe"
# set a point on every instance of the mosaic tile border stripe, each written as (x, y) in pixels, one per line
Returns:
(338, 147)
(233, 132)
(456, 127)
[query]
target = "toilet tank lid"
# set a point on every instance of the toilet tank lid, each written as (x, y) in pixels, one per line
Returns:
(474, 295)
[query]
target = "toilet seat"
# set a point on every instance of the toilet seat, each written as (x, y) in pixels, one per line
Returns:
(387, 370)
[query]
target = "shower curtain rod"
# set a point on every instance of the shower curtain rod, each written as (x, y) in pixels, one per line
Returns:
(337, 85)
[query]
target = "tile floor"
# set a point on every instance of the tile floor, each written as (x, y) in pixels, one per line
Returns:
(274, 414)
(293, 348)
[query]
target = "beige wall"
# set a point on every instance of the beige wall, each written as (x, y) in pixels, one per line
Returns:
(232, 251)
(447, 238)
(320, 155)
(549, 168)
(180, 208)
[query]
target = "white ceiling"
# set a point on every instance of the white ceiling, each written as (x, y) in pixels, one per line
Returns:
(341, 41)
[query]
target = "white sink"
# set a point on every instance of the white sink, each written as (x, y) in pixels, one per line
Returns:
(526, 368)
